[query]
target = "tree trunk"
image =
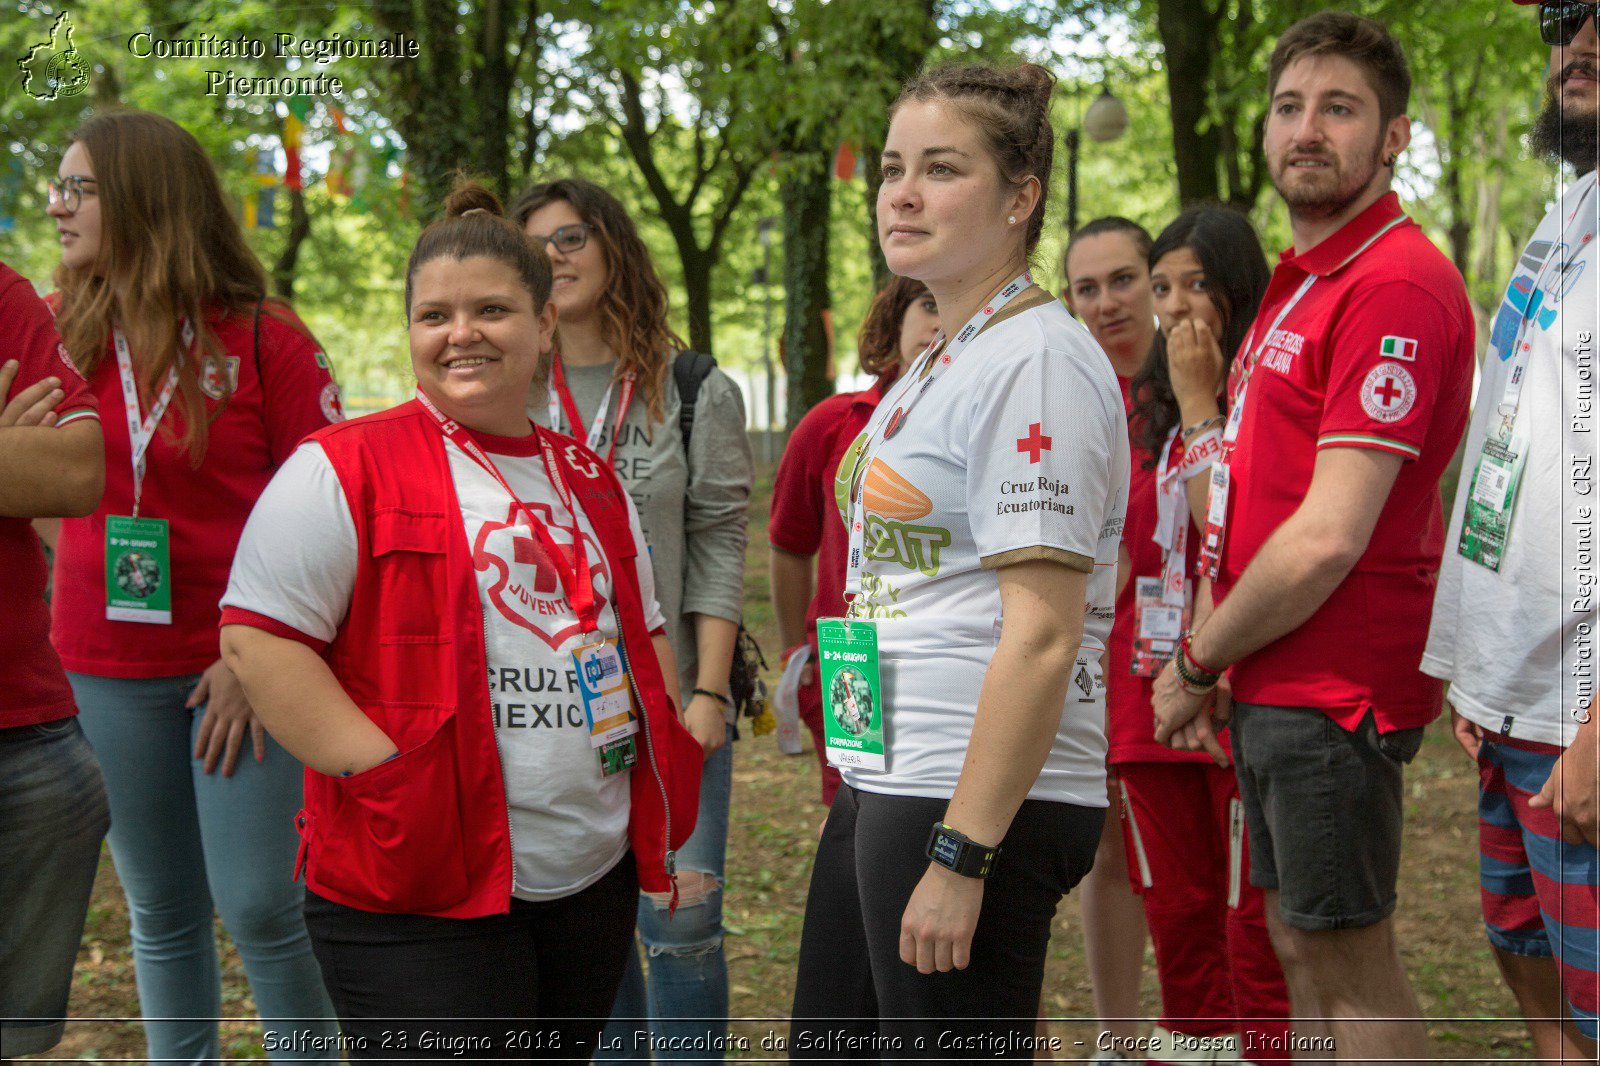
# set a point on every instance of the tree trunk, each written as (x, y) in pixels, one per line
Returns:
(1188, 29)
(299, 229)
(492, 99)
(807, 196)
(697, 265)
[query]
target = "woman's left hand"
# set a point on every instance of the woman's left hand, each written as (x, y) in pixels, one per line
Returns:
(936, 929)
(706, 723)
(228, 717)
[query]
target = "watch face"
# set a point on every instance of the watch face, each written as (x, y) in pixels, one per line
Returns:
(945, 850)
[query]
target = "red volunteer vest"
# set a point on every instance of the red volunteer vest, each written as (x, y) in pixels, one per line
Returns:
(429, 832)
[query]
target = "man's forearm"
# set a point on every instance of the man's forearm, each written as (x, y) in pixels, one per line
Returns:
(1290, 578)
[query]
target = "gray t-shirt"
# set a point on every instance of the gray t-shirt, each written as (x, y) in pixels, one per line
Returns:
(692, 508)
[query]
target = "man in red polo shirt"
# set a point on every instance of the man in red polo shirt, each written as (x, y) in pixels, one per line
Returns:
(53, 811)
(1325, 535)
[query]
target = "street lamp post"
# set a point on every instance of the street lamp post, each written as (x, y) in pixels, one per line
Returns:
(1105, 120)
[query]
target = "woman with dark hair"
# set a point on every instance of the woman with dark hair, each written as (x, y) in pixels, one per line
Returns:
(472, 663)
(164, 309)
(1220, 979)
(804, 524)
(617, 380)
(988, 485)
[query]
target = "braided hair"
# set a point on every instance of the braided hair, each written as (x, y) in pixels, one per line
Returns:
(1010, 106)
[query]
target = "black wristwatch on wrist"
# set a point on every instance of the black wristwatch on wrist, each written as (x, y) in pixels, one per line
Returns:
(956, 851)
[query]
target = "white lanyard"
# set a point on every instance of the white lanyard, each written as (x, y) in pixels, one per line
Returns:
(1172, 524)
(560, 394)
(894, 409)
(142, 430)
(1517, 368)
(1236, 416)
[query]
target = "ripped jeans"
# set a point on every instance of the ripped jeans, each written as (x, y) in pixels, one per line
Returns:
(684, 1001)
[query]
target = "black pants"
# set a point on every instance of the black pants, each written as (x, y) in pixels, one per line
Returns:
(536, 983)
(854, 998)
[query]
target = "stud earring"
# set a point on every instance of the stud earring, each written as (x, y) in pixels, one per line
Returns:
(1390, 160)
(1011, 220)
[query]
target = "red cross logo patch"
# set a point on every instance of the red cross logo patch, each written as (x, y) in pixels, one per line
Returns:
(1388, 393)
(1034, 445)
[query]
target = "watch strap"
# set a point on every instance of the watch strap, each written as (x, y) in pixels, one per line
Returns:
(959, 853)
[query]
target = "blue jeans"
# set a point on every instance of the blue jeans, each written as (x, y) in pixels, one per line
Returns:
(685, 999)
(183, 841)
(52, 819)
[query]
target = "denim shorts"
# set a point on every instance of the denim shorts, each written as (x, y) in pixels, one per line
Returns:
(1323, 808)
(53, 815)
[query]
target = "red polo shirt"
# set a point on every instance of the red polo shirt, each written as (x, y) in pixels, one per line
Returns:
(34, 688)
(1377, 353)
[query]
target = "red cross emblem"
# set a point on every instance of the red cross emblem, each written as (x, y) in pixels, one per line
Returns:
(1388, 393)
(1035, 444)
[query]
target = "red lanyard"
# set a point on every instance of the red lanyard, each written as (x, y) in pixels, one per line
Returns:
(560, 393)
(576, 581)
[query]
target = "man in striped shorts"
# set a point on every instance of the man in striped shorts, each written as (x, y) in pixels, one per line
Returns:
(1514, 623)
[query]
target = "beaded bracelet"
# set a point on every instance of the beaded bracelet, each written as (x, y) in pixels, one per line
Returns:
(1186, 645)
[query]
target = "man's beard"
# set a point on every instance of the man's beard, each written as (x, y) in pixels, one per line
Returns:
(1324, 203)
(1561, 135)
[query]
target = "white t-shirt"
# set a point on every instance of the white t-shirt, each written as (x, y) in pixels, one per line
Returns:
(1518, 646)
(296, 564)
(1020, 445)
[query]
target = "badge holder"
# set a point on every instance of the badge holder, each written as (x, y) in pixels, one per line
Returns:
(138, 570)
(1486, 528)
(608, 705)
(1158, 627)
(852, 693)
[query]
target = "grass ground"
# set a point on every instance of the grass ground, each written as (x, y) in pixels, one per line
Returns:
(1471, 1017)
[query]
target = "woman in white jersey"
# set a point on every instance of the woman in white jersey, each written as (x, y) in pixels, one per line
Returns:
(984, 502)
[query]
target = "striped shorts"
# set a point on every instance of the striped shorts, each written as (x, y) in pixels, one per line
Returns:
(1539, 893)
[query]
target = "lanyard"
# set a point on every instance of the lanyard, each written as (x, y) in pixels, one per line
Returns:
(142, 430)
(1517, 370)
(1172, 524)
(892, 412)
(560, 399)
(1236, 415)
(576, 581)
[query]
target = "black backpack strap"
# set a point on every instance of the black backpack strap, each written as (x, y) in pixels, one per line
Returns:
(690, 370)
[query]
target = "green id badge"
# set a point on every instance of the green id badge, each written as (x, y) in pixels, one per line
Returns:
(618, 755)
(852, 692)
(1487, 525)
(138, 570)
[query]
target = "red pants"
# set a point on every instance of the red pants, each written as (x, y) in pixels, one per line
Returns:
(1184, 831)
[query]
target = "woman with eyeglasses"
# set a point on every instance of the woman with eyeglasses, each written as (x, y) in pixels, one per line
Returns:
(620, 380)
(164, 308)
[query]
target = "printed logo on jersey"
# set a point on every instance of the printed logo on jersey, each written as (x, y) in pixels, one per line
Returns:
(1388, 393)
(1526, 301)
(845, 475)
(892, 506)
(219, 377)
(527, 589)
(332, 408)
(1281, 348)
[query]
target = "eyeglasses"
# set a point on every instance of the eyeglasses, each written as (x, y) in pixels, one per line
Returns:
(1560, 20)
(68, 192)
(567, 239)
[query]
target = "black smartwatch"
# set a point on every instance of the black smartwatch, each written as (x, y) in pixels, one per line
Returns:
(956, 851)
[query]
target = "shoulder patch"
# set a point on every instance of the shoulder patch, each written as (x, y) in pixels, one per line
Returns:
(332, 408)
(1399, 348)
(1388, 393)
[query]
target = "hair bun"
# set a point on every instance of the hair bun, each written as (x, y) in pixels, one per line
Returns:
(469, 196)
(1032, 80)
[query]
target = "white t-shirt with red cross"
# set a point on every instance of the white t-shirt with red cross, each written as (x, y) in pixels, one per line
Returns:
(1018, 451)
(296, 564)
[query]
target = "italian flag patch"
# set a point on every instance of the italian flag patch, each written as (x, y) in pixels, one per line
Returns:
(1400, 348)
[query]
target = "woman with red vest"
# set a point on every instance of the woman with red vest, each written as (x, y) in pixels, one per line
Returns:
(163, 308)
(449, 615)
(1221, 985)
(805, 524)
